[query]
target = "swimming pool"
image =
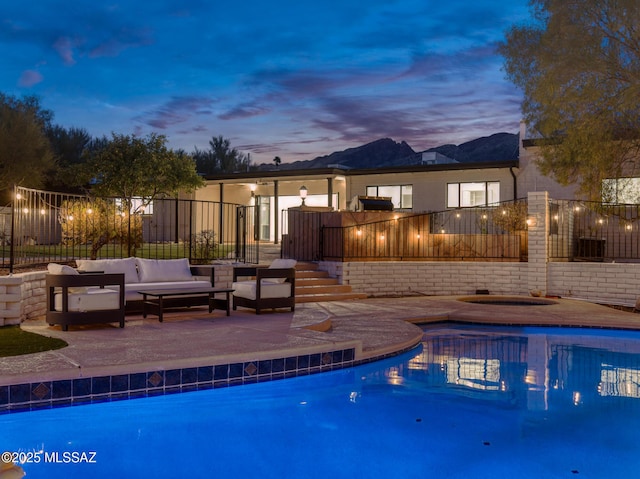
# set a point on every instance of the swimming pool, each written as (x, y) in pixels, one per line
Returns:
(471, 402)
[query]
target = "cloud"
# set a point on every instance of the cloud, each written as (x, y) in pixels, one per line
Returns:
(179, 109)
(64, 47)
(120, 40)
(246, 110)
(30, 78)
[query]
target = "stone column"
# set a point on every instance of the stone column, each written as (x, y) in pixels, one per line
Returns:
(11, 305)
(538, 221)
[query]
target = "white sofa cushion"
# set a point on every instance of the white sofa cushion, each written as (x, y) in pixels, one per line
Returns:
(125, 265)
(157, 270)
(92, 299)
(281, 263)
(131, 290)
(247, 289)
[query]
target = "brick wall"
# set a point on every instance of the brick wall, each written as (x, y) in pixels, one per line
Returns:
(399, 278)
(607, 283)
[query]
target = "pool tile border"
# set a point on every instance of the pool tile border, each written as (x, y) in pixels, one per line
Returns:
(69, 392)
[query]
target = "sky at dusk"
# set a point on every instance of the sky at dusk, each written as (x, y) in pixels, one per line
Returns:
(292, 78)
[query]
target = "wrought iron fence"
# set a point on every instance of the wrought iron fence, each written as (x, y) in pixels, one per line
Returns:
(496, 233)
(48, 226)
(594, 231)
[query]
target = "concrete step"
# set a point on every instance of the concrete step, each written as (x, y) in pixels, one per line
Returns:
(315, 281)
(311, 274)
(318, 298)
(322, 289)
(305, 266)
(313, 285)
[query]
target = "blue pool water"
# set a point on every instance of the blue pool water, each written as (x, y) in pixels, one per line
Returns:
(472, 402)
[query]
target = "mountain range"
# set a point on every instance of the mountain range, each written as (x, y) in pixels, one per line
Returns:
(386, 152)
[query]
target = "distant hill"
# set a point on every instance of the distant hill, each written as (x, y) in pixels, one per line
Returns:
(389, 153)
(497, 147)
(377, 154)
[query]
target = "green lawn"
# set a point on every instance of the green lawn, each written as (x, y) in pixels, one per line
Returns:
(147, 250)
(14, 342)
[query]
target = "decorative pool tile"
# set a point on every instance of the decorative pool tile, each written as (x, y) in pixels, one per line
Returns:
(250, 369)
(40, 392)
(43, 394)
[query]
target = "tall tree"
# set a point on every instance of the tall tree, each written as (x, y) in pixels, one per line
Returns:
(70, 149)
(220, 158)
(578, 64)
(25, 151)
(129, 166)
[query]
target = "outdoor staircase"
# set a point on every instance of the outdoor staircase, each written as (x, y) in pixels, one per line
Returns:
(313, 285)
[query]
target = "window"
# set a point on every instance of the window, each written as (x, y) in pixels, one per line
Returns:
(401, 195)
(621, 191)
(465, 195)
(138, 205)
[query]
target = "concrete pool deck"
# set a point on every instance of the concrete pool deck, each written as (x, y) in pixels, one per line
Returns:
(337, 334)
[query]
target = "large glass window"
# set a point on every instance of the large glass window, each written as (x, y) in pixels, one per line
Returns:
(621, 191)
(138, 205)
(401, 195)
(466, 195)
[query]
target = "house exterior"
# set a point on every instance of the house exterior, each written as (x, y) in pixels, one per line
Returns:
(426, 187)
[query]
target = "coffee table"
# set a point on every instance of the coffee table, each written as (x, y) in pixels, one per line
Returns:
(156, 301)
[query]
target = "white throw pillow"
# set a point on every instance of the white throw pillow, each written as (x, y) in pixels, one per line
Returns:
(125, 265)
(55, 268)
(163, 270)
(281, 263)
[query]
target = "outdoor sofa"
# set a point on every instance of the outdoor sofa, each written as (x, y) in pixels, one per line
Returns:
(151, 274)
(99, 291)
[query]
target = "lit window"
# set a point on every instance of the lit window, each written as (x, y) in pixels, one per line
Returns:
(621, 191)
(466, 195)
(401, 195)
(138, 205)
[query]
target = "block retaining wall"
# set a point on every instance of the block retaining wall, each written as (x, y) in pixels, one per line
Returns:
(23, 296)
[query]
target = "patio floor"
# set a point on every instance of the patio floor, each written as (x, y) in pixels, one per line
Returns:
(192, 338)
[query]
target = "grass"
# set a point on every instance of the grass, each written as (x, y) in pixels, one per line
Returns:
(15, 342)
(147, 250)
